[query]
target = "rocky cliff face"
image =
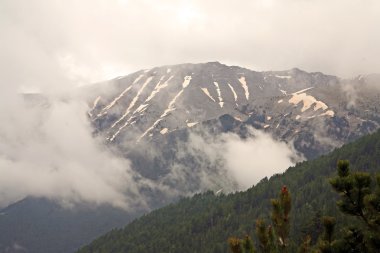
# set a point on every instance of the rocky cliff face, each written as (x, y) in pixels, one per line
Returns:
(316, 112)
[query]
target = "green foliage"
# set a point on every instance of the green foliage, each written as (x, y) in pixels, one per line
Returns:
(312, 227)
(248, 245)
(269, 240)
(204, 222)
(265, 236)
(358, 198)
(353, 189)
(241, 245)
(326, 243)
(235, 245)
(305, 246)
(280, 217)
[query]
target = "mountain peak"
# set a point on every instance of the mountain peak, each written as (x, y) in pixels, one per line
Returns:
(158, 102)
(215, 63)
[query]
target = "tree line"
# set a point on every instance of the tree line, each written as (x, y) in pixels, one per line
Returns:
(359, 198)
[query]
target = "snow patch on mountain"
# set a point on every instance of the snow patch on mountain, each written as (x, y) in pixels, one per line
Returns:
(164, 130)
(140, 108)
(170, 107)
(96, 101)
(132, 104)
(221, 103)
(114, 101)
(191, 124)
(109, 106)
(205, 91)
(233, 92)
(283, 77)
(307, 101)
(304, 90)
(186, 82)
(328, 113)
(245, 87)
(158, 87)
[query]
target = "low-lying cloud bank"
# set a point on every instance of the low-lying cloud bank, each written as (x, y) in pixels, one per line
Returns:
(47, 149)
(252, 159)
(226, 161)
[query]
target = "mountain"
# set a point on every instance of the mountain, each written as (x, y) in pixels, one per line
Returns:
(168, 120)
(41, 225)
(315, 111)
(204, 222)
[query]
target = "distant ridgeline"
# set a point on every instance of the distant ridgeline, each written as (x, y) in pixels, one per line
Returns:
(204, 222)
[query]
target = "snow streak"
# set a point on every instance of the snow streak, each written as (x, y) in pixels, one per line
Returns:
(133, 102)
(233, 91)
(221, 103)
(205, 90)
(170, 107)
(244, 85)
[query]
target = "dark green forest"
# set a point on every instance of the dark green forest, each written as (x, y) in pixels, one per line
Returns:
(359, 197)
(204, 222)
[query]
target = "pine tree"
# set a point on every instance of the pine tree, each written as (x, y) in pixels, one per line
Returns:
(372, 203)
(305, 246)
(265, 235)
(235, 245)
(326, 242)
(248, 245)
(358, 199)
(280, 217)
(241, 245)
(272, 239)
(353, 188)
(313, 227)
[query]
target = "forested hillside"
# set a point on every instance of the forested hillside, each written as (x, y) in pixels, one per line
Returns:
(204, 222)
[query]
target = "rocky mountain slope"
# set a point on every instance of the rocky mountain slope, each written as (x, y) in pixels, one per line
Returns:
(166, 119)
(315, 111)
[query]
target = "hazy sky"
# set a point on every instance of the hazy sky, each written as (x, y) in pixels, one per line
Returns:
(46, 41)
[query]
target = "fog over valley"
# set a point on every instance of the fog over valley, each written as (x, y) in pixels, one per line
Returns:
(112, 109)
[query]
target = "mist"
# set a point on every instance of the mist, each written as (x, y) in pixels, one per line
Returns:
(48, 151)
(228, 162)
(53, 47)
(255, 158)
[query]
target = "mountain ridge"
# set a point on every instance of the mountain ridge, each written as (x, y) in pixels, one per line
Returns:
(216, 89)
(166, 159)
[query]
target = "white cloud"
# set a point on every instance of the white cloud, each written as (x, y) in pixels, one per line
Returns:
(244, 161)
(253, 159)
(48, 151)
(338, 37)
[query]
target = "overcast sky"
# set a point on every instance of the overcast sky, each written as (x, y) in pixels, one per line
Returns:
(50, 41)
